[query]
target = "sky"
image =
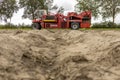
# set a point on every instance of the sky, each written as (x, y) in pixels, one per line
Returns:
(68, 5)
(1, 0)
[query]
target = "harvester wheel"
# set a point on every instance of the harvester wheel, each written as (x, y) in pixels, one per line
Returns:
(75, 25)
(36, 26)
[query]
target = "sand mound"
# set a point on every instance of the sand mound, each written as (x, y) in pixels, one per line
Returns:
(59, 55)
(112, 58)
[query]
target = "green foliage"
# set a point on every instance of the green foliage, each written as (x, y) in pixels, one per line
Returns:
(106, 25)
(7, 8)
(110, 8)
(30, 6)
(118, 25)
(61, 10)
(89, 5)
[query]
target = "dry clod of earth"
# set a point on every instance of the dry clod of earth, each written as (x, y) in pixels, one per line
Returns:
(59, 55)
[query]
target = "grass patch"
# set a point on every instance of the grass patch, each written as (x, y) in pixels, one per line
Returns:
(96, 26)
(11, 26)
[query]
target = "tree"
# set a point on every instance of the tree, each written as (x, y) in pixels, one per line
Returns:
(30, 6)
(110, 8)
(89, 5)
(48, 3)
(61, 10)
(58, 9)
(7, 9)
(105, 8)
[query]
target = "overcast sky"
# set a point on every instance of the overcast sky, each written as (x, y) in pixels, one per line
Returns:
(1, 1)
(67, 4)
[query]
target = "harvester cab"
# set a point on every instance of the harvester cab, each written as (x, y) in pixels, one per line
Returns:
(39, 13)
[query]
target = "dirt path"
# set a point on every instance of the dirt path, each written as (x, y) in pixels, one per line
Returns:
(60, 55)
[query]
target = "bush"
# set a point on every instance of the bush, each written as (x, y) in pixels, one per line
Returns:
(99, 25)
(118, 26)
(106, 25)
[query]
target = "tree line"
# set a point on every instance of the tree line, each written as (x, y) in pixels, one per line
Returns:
(105, 8)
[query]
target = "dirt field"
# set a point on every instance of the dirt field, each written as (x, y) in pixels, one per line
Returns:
(60, 55)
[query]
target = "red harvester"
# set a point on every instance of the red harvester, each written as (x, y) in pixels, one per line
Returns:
(72, 20)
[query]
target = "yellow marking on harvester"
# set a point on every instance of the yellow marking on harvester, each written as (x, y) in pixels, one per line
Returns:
(49, 20)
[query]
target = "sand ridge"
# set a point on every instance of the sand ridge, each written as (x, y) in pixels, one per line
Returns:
(51, 54)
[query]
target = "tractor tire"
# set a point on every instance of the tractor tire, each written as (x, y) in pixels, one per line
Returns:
(75, 25)
(36, 26)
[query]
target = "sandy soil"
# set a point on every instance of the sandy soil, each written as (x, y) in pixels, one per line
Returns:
(60, 55)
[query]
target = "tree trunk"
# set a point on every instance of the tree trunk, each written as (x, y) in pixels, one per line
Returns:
(33, 16)
(113, 16)
(10, 21)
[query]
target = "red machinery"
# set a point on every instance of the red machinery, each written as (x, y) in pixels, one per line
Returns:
(72, 20)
